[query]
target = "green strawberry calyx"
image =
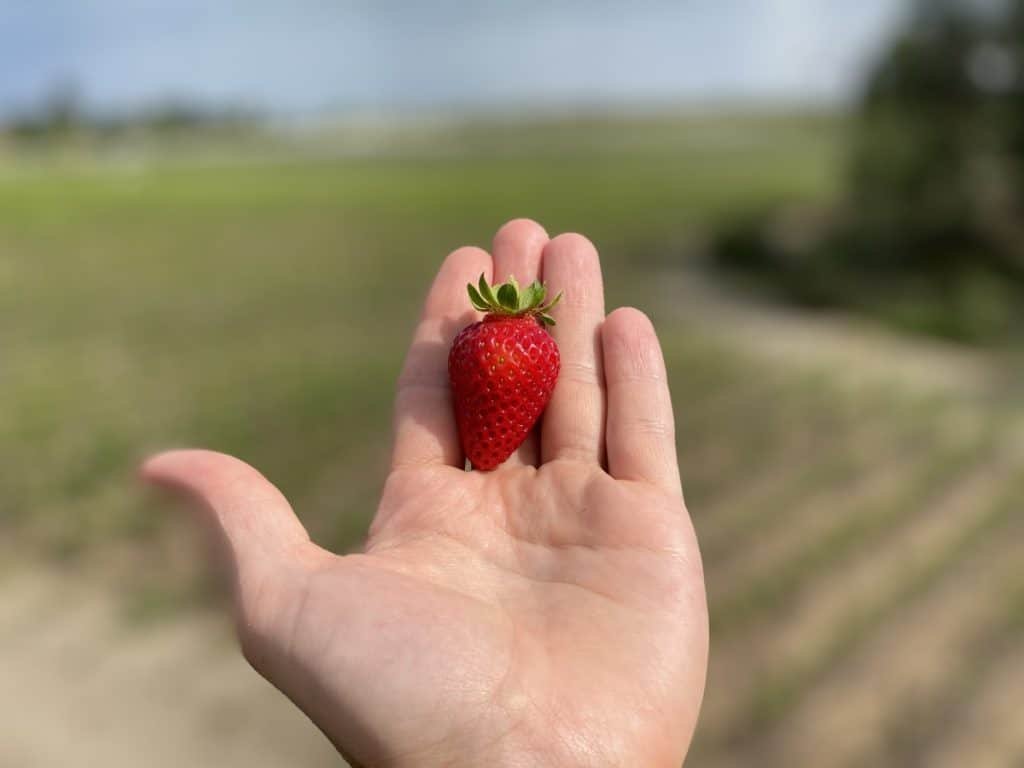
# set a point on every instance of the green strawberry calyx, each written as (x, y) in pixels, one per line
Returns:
(511, 300)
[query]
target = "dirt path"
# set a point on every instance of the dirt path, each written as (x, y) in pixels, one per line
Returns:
(78, 687)
(989, 731)
(859, 353)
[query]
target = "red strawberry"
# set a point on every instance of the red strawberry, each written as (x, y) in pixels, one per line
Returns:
(502, 370)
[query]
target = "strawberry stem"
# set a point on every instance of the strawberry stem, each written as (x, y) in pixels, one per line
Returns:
(508, 299)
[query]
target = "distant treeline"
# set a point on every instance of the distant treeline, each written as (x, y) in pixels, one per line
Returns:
(63, 115)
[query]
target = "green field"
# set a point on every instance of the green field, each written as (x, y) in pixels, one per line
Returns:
(861, 543)
(263, 308)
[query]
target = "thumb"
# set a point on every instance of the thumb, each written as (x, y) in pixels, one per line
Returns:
(250, 517)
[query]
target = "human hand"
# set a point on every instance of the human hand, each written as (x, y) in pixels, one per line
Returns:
(548, 613)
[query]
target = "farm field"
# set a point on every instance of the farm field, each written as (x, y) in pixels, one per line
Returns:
(856, 494)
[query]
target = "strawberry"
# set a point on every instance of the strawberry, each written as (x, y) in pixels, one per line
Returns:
(502, 370)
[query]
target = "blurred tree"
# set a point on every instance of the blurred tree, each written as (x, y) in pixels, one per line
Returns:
(60, 114)
(932, 218)
(909, 189)
(937, 168)
(1014, 41)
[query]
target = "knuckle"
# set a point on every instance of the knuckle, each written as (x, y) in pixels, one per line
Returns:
(584, 372)
(654, 427)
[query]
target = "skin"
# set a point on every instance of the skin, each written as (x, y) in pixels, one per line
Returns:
(548, 613)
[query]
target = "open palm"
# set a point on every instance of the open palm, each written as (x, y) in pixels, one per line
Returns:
(549, 613)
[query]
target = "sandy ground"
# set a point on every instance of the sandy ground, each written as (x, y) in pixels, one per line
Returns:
(79, 687)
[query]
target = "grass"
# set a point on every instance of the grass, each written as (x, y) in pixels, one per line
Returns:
(261, 305)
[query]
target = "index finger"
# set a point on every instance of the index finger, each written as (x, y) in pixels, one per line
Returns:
(425, 430)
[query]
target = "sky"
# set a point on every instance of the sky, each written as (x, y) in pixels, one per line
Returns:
(302, 57)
